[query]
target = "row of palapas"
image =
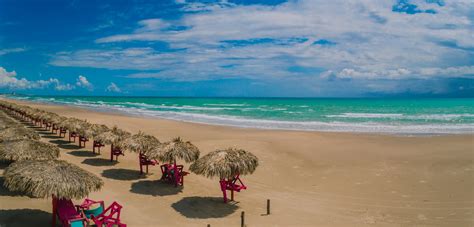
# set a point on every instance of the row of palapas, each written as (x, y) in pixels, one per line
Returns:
(36, 172)
(226, 164)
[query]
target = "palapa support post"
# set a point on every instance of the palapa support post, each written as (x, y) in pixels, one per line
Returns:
(140, 163)
(111, 152)
(268, 206)
(53, 221)
(175, 174)
(242, 219)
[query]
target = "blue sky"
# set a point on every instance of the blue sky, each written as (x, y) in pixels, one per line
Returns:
(304, 48)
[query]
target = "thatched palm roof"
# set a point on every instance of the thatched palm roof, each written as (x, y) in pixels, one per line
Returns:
(114, 136)
(15, 133)
(52, 177)
(17, 150)
(57, 120)
(97, 129)
(73, 124)
(225, 163)
(177, 149)
(140, 143)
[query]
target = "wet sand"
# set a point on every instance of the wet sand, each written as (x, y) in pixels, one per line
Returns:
(312, 178)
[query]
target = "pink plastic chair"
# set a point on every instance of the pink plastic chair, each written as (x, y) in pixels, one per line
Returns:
(115, 151)
(144, 161)
(67, 213)
(98, 145)
(231, 185)
(172, 174)
(82, 141)
(109, 217)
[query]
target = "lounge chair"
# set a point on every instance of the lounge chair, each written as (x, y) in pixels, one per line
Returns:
(98, 145)
(231, 185)
(115, 151)
(101, 217)
(67, 213)
(72, 135)
(82, 141)
(169, 174)
(144, 161)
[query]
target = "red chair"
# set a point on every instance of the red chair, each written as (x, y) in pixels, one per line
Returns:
(109, 217)
(82, 141)
(98, 145)
(62, 132)
(173, 174)
(72, 135)
(231, 185)
(67, 214)
(115, 151)
(144, 161)
(54, 129)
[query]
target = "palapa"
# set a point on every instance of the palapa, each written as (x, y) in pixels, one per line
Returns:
(140, 143)
(225, 163)
(113, 136)
(26, 149)
(15, 133)
(48, 178)
(176, 149)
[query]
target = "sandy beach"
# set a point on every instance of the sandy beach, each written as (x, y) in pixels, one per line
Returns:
(311, 178)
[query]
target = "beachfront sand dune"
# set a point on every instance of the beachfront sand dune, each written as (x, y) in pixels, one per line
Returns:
(312, 179)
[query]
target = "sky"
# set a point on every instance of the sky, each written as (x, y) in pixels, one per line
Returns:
(241, 48)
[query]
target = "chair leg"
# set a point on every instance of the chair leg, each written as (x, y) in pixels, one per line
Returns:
(225, 195)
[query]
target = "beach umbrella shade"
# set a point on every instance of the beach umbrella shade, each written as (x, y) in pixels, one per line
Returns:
(113, 136)
(51, 178)
(176, 149)
(46, 178)
(26, 149)
(15, 133)
(97, 129)
(225, 163)
(58, 119)
(140, 143)
(72, 124)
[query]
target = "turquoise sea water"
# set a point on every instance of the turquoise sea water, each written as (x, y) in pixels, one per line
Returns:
(393, 116)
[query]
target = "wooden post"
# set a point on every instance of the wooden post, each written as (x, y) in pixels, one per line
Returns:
(242, 219)
(208, 225)
(268, 207)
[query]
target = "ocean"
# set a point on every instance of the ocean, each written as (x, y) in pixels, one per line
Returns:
(385, 116)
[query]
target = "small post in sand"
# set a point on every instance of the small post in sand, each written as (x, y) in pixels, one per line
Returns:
(242, 219)
(268, 206)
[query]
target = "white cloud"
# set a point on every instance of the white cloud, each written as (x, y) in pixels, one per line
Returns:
(83, 82)
(371, 42)
(10, 80)
(113, 88)
(11, 50)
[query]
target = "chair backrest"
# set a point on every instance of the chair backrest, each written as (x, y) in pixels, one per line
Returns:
(94, 211)
(112, 212)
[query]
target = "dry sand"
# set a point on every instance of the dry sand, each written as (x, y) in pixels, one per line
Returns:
(312, 179)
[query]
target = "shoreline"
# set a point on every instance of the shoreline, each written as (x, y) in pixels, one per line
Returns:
(312, 178)
(140, 114)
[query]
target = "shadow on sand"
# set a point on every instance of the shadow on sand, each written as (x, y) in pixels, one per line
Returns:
(69, 146)
(81, 153)
(59, 142)
(25, 217)
(98, 161)
(123, 174)
(204, 207)
(155, 188)
(52, 137)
